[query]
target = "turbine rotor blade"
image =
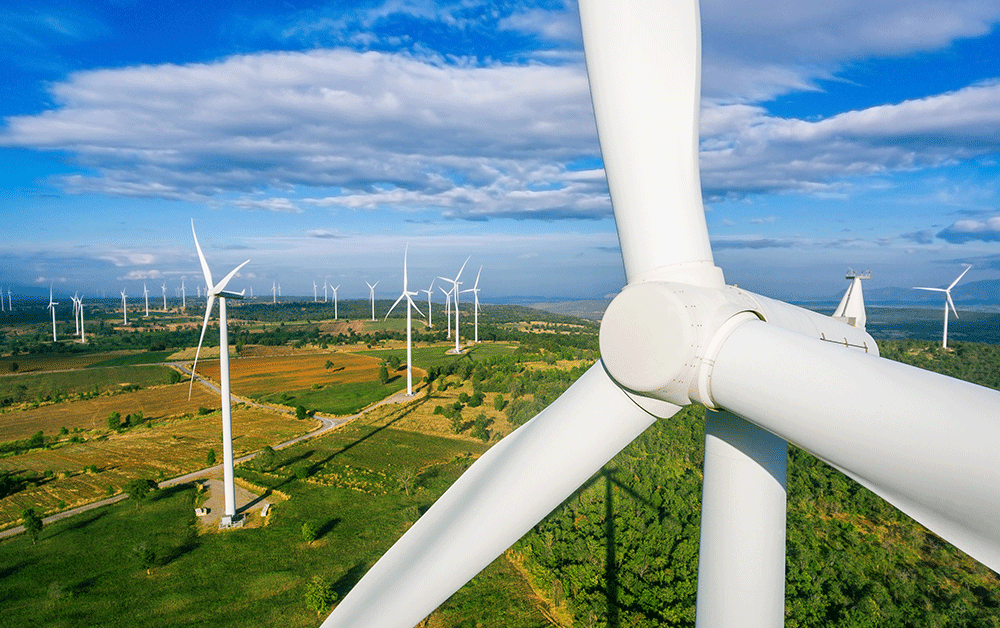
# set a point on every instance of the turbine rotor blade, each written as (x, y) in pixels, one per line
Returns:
(536, 467)
(394, 306)
(222, 284)
(959, 278)
(924, 442)
(201, 258)
(947, 296)
(204, 326)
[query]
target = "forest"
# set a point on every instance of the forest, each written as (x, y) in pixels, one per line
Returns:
(623, 550)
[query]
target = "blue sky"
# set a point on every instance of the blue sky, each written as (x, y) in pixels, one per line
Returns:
(319, 138)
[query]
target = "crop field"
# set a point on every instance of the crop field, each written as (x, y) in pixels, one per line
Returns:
(437, 355)
(36, 387)
(32, 363)
(165, 448)
(261, 376)
(90, 414)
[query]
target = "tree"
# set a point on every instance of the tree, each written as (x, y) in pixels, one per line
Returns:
(394, 362)
(265, 459)
(210, 458)
(114, 421)
(328, 365)
(300, 413)
(406, 477)
(32, 523)
(144, 555)
(309, 532)
(383, 374)
(319, 595)
(139, 490)
(499, 403)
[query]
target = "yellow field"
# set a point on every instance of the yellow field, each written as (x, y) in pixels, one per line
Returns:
(154, 403)
(174, 447)
(256, 376)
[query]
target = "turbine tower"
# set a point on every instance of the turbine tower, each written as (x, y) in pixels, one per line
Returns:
(183, 296)
(164, 289)
(83, 331)
(76, 318)
(409, 345)
(851, 309)
(326, 281)
(335, 300)
(447, 305)
(145, 294)
(947, 302)
(455, 283)
(274, 293)
(429, 291)
(315, 298)
(677, 334)
(124, 309)
(371, 289)
(52, 306)
(475, 311)
(214, 290)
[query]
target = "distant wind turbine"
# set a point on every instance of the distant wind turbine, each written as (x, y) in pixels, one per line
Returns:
(947, 302)
(124, 309)
(325, 282)
(199, 291)
(429, 292)
(10, 302)
(76, 318)
(455, 283)
(279, 289)
(475, 311)
(371, 289)
(79, 311)
(274, 292)
(335, 300)
(145, 293)
(409, 345)
(447, 305)
(52, 306)
(164, 289)
(251, 292)
(1, 300)
(183, 296)
(212, 291)
(315, 298)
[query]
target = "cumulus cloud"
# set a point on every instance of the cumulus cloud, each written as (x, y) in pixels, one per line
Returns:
(966, 230)
(141, 274)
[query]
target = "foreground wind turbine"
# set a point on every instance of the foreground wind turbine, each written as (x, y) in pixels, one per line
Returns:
(430, 292)
(52, 306)
(475, 312)
(409, 345)
(677, 334)
(455, 283)
(947, 302)
(371, 289)
(212, 291)
(124, 309)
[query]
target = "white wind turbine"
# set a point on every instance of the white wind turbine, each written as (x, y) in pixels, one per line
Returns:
(145, 294)
(199, 290)
(274, 292)
(371, 289)
(475, 311)
(164, 289)
(76, 306)
(52, 306)
(947, 302)
(79, 310)
(251, 292)
(183, 296)
(409, 345)
(214, 290)
(325, 285)
(335, 300)
(124, 309)
(447, 306)
(677, 334)
(455, 283)
(429, 291)
(279, 289)
(315, 294)
(1, 300)
(10, 302)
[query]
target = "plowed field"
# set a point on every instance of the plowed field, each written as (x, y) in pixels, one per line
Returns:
(261, 376)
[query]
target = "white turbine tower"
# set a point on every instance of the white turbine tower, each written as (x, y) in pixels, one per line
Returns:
(947, 302)
(279, 289)
(214, 290)
(429, 291)
(371, 289)
(199, 290)
(10, 301)
(52, 306)
(79, 310)
(409, 345)
(76, 306)
(325, 286)
(447, 306)
(1, 300)
(183, 296)
(455, 289)
(335, 300)
(274, 292)
(124, 309)
(164, 289)
(677, 334)
(315, 297)
(145, 294)
(475, 311)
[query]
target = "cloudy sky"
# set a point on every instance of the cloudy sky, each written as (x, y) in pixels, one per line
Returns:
(320, 138)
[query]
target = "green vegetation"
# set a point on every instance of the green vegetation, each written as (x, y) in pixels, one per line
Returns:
(337, 399)
(38, 388)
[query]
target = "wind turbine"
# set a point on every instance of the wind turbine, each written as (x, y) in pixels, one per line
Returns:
(52, 306)
(274, 292)
(1, 300)
(76, 318)
(335, 300)
(199, 291)
(475, 311)
(315, 298)
(409, 345)
(279, 289)
(145, 293)
(251, 292)
(325, 285)
(447, 305)
(124, 309)
(947, 302)
(677, 334)
(455, 283)
(212, 291)
(429, 292)
(79, 309)
(183, 296)
(371, 289)
(164, 289)
(10, 302)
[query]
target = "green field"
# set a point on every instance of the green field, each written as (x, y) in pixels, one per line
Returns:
(338, 399)
(82, 571)
(47, 386)
(144, 357)
(429, 357)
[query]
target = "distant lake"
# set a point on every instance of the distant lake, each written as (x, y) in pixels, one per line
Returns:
(891, 323)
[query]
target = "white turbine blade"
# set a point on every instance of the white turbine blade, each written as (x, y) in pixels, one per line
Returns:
(204, 326)
(924, 442)
(222, 284)
(414, 305)
(931, 289)
(644, 63)
(959, 278)
(535, 468)
(455, 281)
(947, 297)
(394, 306)
(201, 258)
(476, 285)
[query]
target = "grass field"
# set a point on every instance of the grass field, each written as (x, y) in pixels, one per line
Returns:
(33, 363)
(35, 387)
(82, 572)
